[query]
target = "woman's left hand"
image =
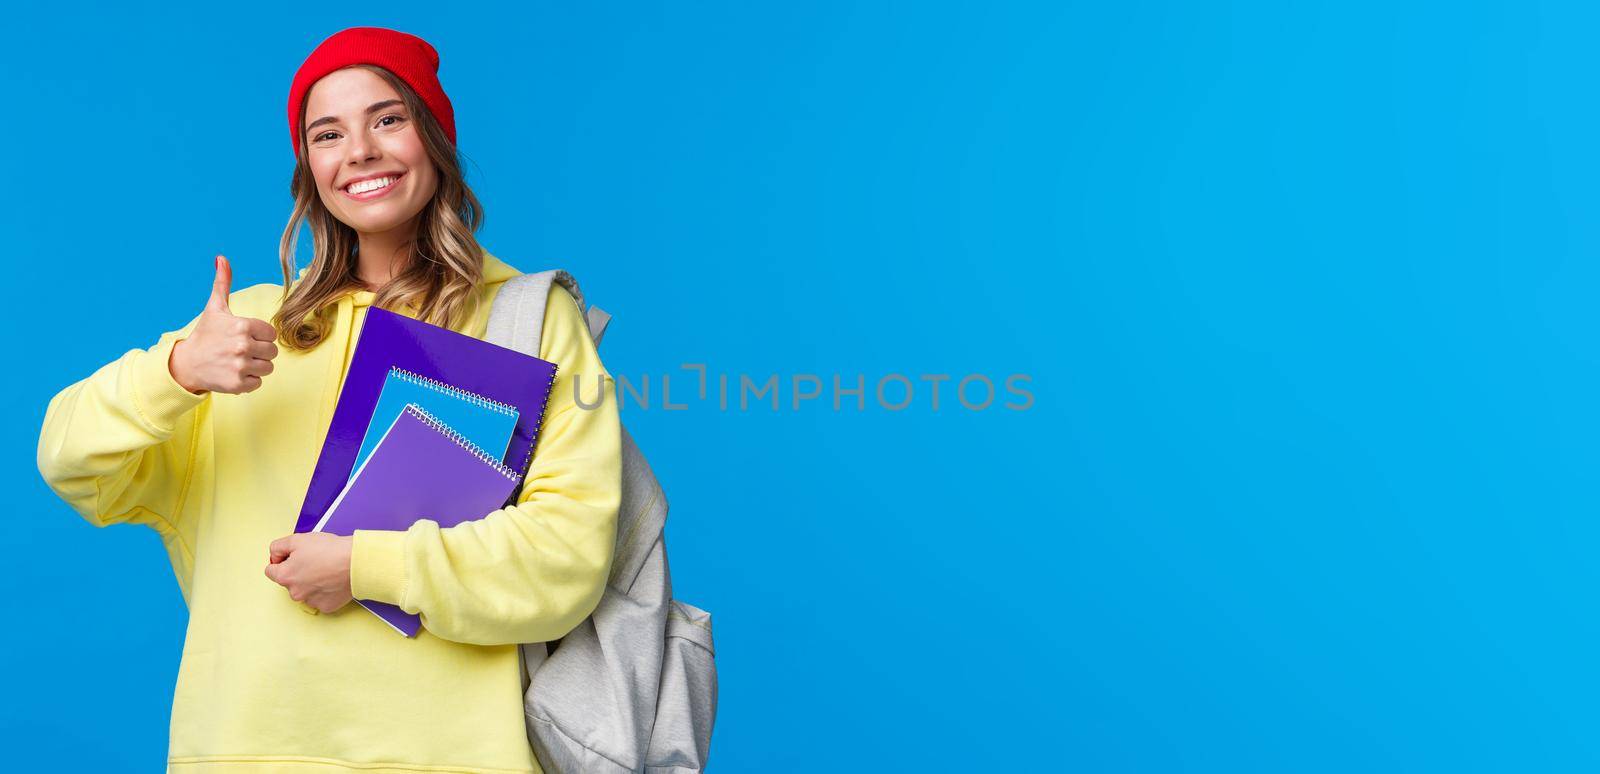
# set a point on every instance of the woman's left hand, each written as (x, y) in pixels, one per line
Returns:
(314, 567)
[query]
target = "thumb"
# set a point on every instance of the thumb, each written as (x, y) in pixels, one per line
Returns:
(219, 286)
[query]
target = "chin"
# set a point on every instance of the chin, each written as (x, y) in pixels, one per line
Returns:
(372, 223)
(376, 226)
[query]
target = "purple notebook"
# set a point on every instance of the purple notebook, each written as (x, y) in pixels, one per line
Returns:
(388, 340)
(420, 469)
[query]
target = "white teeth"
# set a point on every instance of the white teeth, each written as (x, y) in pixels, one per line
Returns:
(370, 185)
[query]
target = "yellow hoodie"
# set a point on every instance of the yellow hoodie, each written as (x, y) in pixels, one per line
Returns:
(262, 685)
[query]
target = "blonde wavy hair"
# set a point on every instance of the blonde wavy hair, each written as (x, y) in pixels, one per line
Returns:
(445, 265)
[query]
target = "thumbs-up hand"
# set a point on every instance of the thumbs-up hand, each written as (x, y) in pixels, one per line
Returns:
(225, 353)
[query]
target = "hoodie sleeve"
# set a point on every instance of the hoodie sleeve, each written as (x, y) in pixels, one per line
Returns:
(117, 445)
(533, 571)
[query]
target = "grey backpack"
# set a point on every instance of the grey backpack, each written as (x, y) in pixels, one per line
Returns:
(634, 687)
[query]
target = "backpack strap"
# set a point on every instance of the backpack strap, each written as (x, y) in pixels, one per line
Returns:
(598, 320)
(647, 657)
(516, 320)
(516, 316)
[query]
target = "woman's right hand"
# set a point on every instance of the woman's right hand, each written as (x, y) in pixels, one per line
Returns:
(224, 353)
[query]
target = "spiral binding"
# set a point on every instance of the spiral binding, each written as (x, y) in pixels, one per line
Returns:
(462, 441)
(538, 429)
(453, 391)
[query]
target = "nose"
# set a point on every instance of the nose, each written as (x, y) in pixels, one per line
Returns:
(360, 149)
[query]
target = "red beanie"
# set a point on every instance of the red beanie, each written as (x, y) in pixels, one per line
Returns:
(407, 56)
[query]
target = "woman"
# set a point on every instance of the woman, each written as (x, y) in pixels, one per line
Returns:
(210, 437)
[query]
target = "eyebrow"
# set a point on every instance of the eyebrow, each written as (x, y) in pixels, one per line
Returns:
(373, 108)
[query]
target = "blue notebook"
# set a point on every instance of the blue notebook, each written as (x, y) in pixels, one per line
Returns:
(488, 424)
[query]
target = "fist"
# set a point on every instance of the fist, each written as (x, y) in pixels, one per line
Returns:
(314, 567)
(224, 353)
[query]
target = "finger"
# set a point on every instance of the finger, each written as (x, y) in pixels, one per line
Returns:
(256, 367)
(273, 571)
(260, 330)
(219, 286)
(261, 350)
(282, 547)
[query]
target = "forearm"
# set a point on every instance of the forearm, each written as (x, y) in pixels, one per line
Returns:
(118, 442)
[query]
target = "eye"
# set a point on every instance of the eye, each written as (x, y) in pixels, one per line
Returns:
(397, 119)
(323, 136)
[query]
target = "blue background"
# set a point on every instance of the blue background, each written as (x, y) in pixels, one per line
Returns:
(1306, 296)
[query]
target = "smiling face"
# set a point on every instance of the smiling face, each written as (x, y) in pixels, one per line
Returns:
(365, 152)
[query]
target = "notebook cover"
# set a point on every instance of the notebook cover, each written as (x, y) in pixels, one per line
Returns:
(486, 423)
(390, 339)
(420, 469)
